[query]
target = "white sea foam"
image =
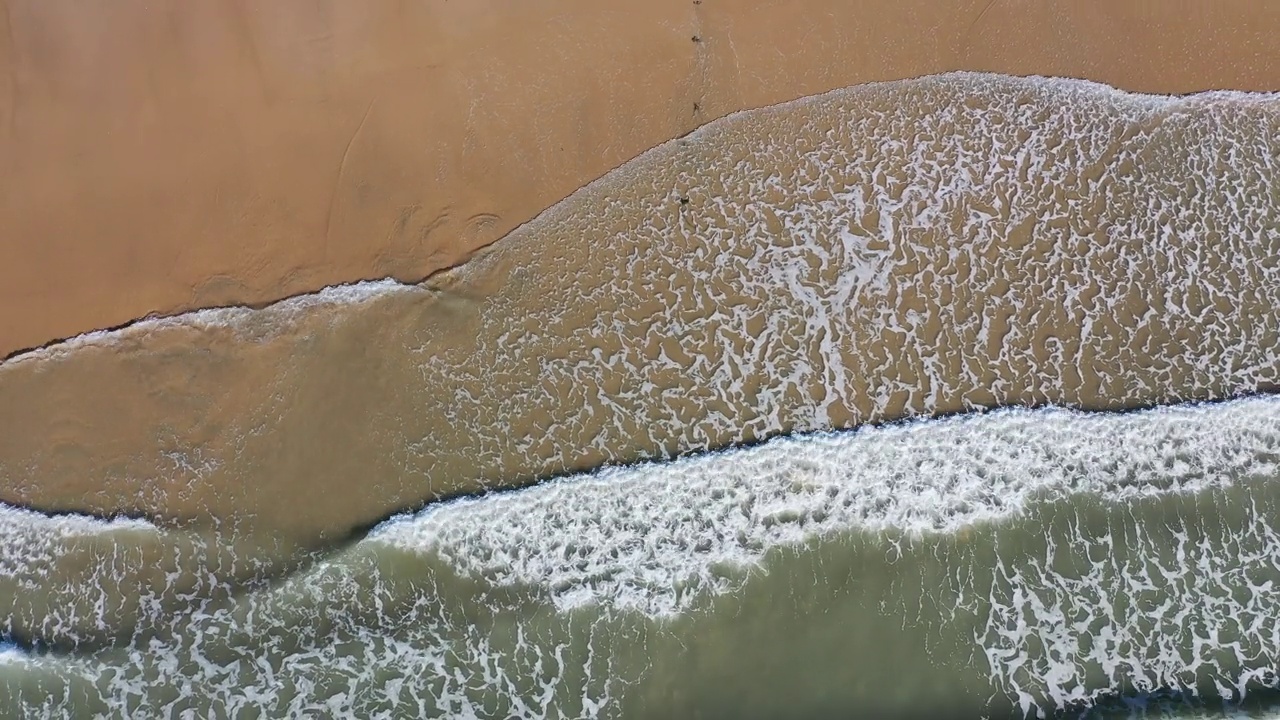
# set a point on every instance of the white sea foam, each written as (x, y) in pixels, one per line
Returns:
(653, 537)
(11, 653)
(72, 580)
(950, 243)
(258, 324)
(1170, 612)
(29, 538)
(788, 291)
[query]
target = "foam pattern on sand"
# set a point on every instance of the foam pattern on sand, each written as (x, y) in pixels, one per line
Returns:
(937, 245)
(250, 323)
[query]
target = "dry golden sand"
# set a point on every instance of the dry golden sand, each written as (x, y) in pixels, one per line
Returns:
(161, 155)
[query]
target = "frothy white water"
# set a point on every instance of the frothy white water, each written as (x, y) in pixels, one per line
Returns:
(377, 631)
(929, 246)
(660, 538)
(945, 244)
(1135, 607)
(71, 580)
(652, 537)
(25, 534)
(948, 243)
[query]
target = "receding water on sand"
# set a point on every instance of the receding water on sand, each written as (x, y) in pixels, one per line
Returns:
(906, 249)
(909, 248)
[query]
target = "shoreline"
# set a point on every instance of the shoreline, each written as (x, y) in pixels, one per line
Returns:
(360, 290)
(171, 158)
(540, 357)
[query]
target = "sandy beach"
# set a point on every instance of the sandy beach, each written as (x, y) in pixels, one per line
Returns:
(891, 250)
(699, 358)
(162, 156)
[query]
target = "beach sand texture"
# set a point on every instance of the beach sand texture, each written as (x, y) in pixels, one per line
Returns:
(904, 248)
(161, 156)
(659, 288)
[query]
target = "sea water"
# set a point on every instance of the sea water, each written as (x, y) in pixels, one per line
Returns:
(671, 363)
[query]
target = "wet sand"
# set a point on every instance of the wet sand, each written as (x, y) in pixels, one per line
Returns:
(917, 248)
(162, 156)
(925, 247)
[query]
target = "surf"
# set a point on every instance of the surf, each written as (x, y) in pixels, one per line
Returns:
(899, 249)
(1023, 562)
(718, 434)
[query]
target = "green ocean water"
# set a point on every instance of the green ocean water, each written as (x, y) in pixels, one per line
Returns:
(716, 437)
(1062, 565)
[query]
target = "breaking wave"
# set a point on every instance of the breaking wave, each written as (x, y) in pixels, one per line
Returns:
(1017, 562)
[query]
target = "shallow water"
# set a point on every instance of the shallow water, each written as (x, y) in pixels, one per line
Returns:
(1018, 562)
(889, 251)
(919, 247)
